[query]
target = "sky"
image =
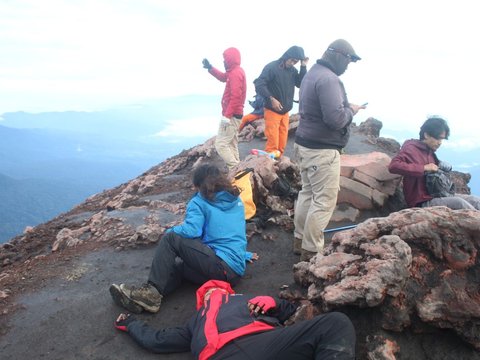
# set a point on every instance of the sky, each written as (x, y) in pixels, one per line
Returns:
(419, 58)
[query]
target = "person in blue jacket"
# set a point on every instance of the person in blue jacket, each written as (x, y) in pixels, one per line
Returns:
(210, 244)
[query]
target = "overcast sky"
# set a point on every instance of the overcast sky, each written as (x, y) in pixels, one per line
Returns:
(418, 57)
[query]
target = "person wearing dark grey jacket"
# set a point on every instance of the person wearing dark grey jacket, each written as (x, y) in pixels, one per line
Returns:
(276, 84)
(323, 130)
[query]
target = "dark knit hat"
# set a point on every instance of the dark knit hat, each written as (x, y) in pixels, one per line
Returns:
(343, 47)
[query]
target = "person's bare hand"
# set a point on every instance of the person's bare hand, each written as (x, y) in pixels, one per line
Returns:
(121, 317)
(304, 62)
(355, 108)
(276, 105)
(254, 258)
(430, 167)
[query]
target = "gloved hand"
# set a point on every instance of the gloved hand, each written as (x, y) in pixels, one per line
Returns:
(206, 64)
(261, 304)
(121, 323)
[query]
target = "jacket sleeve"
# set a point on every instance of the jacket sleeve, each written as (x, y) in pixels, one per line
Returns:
(218, 74)
(192, 226)
(237, 93)
(261, 83)
(283, 310)
(171, 340)
(336, 112)
(404, 163)
(300, 75)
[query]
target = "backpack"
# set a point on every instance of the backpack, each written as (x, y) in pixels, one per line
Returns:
(439, 184)
(258, 104)
(242, 181)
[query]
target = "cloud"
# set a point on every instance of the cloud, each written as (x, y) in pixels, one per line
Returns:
(468, 165)
(462, 144)
(94, 54)
(192, 127)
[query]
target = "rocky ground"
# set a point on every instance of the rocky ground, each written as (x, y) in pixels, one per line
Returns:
(54, 299)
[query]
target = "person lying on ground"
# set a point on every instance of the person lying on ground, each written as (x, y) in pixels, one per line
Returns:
(210, 244)
(235, 326)
(417, 158)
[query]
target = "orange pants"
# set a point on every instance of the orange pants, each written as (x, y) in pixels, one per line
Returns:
(276, 130)
(248, 119)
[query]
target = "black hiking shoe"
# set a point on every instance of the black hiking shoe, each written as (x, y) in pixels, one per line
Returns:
(124, 301)
(146, 296)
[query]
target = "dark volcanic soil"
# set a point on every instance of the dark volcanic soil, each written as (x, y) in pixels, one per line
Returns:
(71, 315)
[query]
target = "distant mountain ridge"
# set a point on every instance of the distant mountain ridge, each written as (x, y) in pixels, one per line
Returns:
(51, 161)
(33, 201)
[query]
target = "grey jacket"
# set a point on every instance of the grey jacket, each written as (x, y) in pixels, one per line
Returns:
(325, 115)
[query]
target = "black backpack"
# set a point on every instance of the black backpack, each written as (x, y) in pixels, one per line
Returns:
(439, 184)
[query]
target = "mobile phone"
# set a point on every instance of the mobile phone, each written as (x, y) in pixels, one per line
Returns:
(365, 104)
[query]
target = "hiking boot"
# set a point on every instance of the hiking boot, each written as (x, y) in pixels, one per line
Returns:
(146, 296)
(297, 246)
(307, 255)
(123, 300)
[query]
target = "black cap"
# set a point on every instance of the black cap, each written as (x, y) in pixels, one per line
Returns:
(343, 47)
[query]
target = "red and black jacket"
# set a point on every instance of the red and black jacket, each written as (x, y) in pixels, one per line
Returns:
(221, 319)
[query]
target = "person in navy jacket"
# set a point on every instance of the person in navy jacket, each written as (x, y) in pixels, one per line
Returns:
(235, 326)
(210, 244)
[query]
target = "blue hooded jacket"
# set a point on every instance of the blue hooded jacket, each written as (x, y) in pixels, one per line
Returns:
(219, 224)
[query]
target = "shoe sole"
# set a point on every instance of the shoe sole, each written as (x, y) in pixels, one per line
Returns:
(148, 307)
(123, 300)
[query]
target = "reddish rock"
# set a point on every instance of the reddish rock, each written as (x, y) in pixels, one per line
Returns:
(417, 263)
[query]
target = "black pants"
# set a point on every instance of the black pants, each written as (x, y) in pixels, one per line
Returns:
(325, 337)
(177, 258)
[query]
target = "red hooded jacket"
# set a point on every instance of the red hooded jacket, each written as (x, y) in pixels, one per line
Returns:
(410, 162)
(236, 85)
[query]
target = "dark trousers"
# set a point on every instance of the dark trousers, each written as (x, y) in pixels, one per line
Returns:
(177, 258)
(325, 337)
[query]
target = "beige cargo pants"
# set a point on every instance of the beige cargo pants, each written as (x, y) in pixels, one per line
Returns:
(320, 172)
(226, 142)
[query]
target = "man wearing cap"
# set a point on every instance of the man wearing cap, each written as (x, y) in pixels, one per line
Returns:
(277, 84)
(323, 130)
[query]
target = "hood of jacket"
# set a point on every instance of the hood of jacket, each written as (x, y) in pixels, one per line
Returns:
(295, 52)
(223, 200)
(202, 290)
(231, 58)
(419, 144)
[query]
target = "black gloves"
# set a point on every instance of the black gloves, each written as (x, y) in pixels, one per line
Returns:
(206, 64)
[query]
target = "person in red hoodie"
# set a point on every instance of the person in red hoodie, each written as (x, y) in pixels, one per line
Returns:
(417, 158)
(233, 101)
(237, 327)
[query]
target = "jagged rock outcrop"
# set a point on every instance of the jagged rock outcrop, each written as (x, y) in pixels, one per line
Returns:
(414, 265)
